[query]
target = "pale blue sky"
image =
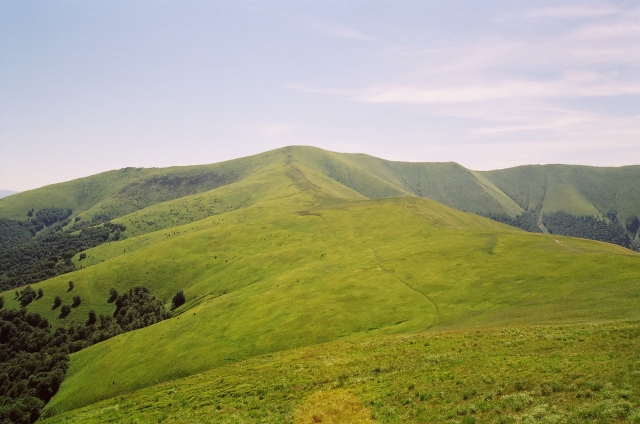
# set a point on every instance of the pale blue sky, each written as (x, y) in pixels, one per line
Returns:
(89, 86)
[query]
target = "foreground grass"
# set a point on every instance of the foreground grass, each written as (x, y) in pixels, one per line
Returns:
(586, 373)
(260, 280)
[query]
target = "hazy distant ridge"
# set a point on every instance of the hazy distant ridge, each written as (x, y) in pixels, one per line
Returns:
(5, 193)
(578, 190)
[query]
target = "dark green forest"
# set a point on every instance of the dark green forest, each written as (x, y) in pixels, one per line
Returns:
(609, 230)
(34, 359)
(38, 249)
(33, 363)
(526, 221)
(14, 233)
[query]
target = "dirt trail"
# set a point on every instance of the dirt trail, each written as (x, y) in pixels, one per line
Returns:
(428, 220)
(391, 273)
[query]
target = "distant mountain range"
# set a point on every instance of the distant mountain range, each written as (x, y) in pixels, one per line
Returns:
(5, 193)
(578, 190)
(301, 248)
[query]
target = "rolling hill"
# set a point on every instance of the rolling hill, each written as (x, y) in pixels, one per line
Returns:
(579, 190)
(299, 247)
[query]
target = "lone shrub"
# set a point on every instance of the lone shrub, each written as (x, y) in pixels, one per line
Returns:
(113, 295)
(178, 300)
(65, 311)
(92, 317)
(56, 302)
(70, 286)
(76, 301)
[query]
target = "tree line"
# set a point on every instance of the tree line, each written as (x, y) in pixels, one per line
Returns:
(608, 229)
(527, 221)
(34, 358)
(15, 232)
(48, 256)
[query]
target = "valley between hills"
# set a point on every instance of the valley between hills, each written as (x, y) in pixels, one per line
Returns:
(328, 287)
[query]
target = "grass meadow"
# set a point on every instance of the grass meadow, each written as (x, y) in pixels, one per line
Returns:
(259, 282)
(304, 294)
(583, 373)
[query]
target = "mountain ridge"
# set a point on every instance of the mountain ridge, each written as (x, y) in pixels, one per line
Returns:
(575, 189)
(298, 247)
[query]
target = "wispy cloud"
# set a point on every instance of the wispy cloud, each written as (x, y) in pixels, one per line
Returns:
(570, 86)
(572, 12)
(317, 90)
(341, 31)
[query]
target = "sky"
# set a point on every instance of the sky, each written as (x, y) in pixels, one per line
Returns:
(90, 86)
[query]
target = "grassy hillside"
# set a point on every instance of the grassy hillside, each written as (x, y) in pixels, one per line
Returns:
(116, 193)
(299, 247)
(542, 374)
(260, 280)
(578, 190)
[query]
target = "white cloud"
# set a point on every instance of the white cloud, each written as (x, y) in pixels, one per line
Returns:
(341, 31)
(571, 85)
(572, 12)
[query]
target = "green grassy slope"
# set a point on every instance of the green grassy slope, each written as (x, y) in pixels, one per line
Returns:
(558, 374)
(579, 190)
(447, 183)
(291, 252)
(79, 195)
(262, 280)
(117, 193)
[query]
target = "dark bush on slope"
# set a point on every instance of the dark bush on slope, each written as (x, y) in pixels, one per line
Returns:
(27, 295)
(178, 300)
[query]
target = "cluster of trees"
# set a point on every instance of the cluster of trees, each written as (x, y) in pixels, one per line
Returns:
(33, 363)
(632, 225)
(28, 295)
(609, 230)
(526, 220)
(47, 217)
(34, 359)
(49, 256)
(36, 249)
(13, 233)
(137, 308)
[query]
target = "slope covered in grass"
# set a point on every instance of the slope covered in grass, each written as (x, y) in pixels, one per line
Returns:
(296, 250)
(260, 280)
(511, 375)
(579, 190)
